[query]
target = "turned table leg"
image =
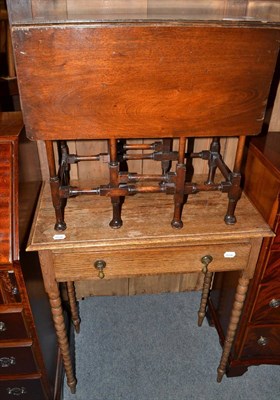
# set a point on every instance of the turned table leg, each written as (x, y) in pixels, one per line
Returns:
(206, 260)
(204, 297)
(73, 306)
(61, 333)
(52, 289)
(238, 304)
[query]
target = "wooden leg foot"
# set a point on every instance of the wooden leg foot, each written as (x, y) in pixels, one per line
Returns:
(233, 324)
(61, 333)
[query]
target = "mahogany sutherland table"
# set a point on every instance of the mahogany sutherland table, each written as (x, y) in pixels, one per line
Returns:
(145, 246)
(136, 70)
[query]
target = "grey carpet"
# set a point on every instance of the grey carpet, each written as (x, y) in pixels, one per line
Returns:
(150, 348)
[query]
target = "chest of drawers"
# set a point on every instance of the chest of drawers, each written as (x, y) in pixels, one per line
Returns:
(257, 341)
(29, 362)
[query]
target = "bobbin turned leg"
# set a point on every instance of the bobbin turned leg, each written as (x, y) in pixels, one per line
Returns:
(240, 296)
(60, 224)
(116, 221)
(73, 305)
(52, 289)
(179, 196)
(235, 178)
(206, 288)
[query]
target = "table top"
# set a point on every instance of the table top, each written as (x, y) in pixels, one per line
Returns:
(65, 11)
(146, 222)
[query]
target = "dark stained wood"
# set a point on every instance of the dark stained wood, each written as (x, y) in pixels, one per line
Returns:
(181, 80)
(11, 126)
(6, 248)
(257, 341)
(20, 336)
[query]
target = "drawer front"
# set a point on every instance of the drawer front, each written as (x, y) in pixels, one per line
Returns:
(17, 360)
(12, 325)
(26, 389)
(276, 241)
(262, 342)
(130, 263)
(9, 291)
(6, 222)
(267, 307)
(272, 272)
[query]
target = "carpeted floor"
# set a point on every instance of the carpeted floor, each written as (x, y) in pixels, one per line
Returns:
(150, 348)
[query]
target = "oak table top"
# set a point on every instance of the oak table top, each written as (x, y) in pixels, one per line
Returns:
(146, 223)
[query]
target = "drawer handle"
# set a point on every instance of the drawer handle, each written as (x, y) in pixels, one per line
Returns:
(16, 391)
(15, 291)
(274, 303)
(100, 265)
(6, 362)
(3, 327)
(206, 260)
(263, 341)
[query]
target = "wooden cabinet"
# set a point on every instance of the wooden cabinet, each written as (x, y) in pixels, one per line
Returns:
(29, 367)
(258, 339)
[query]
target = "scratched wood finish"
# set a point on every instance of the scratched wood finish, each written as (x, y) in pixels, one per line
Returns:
(144, 80)
(89, 218)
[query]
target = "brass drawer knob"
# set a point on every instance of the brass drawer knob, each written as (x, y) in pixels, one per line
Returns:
(274, 303)
(15, 291)
(206, 260)
(6, 362)
(16, 391)
(3, 327)
(100, 265)
(262, 341)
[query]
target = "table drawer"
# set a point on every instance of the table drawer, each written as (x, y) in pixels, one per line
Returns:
(12, 325)
(130, 263)
(262, 342)
(28, 389)
(17, 360)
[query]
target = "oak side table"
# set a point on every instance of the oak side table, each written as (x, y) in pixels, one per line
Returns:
(89, 250)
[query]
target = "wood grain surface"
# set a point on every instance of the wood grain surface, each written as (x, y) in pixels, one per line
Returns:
(143, 80)
(146, 222)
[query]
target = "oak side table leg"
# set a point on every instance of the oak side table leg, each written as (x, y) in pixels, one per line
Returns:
(204, 296)
(238, 304)
(53, 292)
(73, 306)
